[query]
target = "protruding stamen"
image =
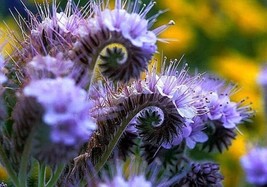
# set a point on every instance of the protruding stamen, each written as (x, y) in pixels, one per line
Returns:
(118, 4)
(147, 9)
(162, 28)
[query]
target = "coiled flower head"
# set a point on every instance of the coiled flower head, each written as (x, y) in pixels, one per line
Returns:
(122, 50)
(177, 86)
(50, 31)
(223, 114)
(202, 175)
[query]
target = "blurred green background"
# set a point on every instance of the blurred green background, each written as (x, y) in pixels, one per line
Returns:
(225, 37)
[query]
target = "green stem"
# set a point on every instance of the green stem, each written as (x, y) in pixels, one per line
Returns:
(41, 175)
(11, 173)
(54, 178)
(25, 159)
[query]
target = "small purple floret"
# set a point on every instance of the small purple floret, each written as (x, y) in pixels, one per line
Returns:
(255, 166)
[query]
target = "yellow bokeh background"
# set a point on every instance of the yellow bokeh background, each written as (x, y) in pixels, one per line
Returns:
(225, 37)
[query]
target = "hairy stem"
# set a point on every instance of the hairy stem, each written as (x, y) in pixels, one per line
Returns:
(25, 159)
(115, 140)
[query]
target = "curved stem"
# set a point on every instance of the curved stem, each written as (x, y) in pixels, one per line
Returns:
(114, 141)
(25, 159)
(11, 173)
(133, 106)
(41, 175)
(54, 178)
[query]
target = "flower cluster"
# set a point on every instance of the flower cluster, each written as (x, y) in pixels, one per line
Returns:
(77, 101)
(255, 166)
(68, 117)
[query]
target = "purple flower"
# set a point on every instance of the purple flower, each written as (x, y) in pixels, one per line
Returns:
(230, 115)
(202, 174)
(137, 32)
(262, 78)
(124, 49)
(134, 181)
(177, 85)
(193, 134)
(216, 94)
(66, 109)
(3, 78)
(62, 25)
(255, 166)
(45, 66)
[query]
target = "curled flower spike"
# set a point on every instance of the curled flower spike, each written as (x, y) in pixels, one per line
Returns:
(217, 99)
(122, 50)
(223, 115)
(50, 32)
(202, 174)
(219, 137)
(176, 85)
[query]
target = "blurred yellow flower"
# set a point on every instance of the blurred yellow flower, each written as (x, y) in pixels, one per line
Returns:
(242, 70)
(249, 15)
(3, 174)
(181, 37)
(230, 161)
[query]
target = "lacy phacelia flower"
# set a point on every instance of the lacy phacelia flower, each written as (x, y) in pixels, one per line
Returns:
(223, 115)
(63, 26)
(176, 85)
(216, 95)
(255, 166)
(65, 124)
(51, 32)
(66, 109)
(124, 49)
(137, 32)
(177, 106)
(49, 67)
